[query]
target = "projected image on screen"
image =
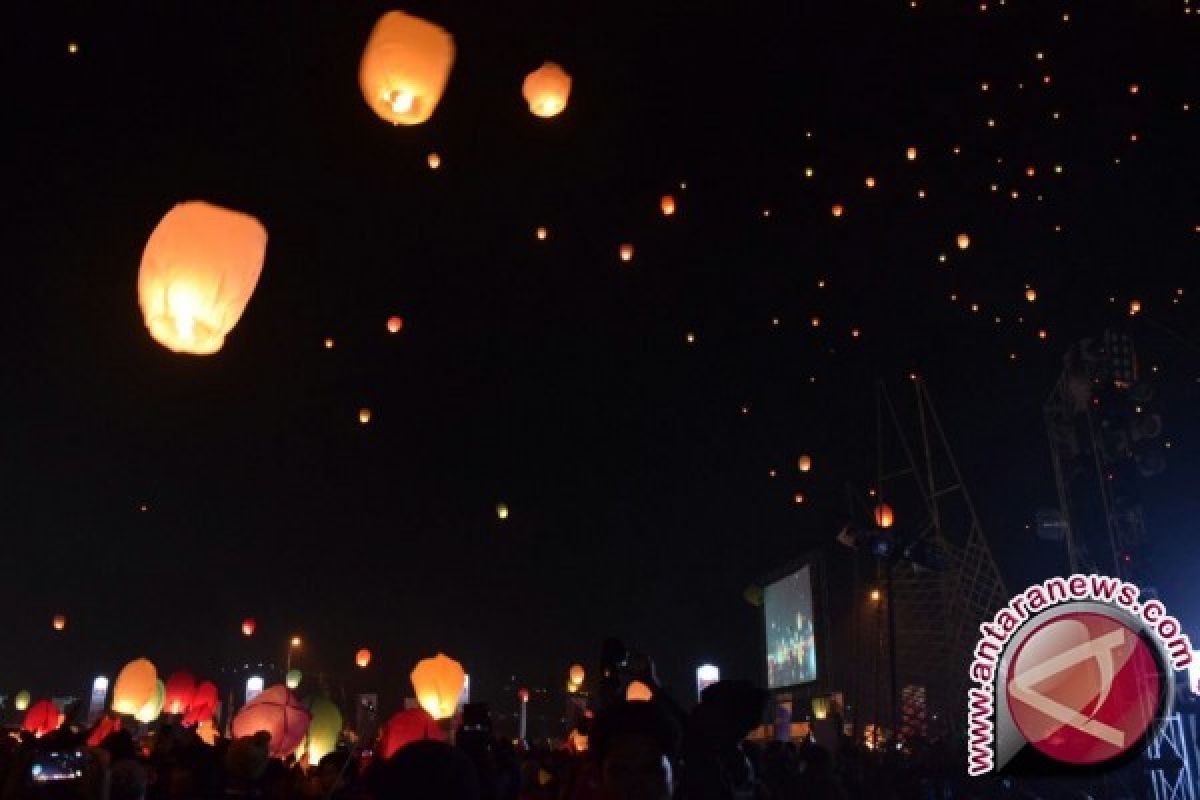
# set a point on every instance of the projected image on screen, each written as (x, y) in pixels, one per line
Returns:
(791, 645)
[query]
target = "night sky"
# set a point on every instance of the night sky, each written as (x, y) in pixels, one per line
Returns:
(549, 375)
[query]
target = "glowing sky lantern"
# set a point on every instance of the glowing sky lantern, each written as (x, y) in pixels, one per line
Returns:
(638, 692)
(963, 241)
(153, 707)
(576, 674)
(911, 154)
(804, 463)
(280, 714)
(838, 209)
(42, 717)
(501, 511)
(59, 622)
(405, 67)
(136, 686)
(395, 324)
(323, 730)
(626, 252)
(364, 416)
(180, 688)
(884, 516)
(207, 732)
(248, 626)
(293, 678)
(438, 682)
(541, 233)
(546, 89)
(21, 701)
(870, 182)
(1030, 294)
(363, 658)
(204, 704)
(667, 204)
(798, 498)
(433, 160)
(199, 268)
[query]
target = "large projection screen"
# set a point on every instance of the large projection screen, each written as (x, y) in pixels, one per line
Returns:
(791, 641)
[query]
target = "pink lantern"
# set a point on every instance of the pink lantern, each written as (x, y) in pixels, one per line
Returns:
(279, 713)
(410, 725)
(180, 689)
(41, 718)
(204, 704)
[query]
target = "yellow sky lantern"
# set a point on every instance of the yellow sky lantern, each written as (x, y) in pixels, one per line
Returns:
(198, 270)
(152, 707)
(22, 700)
(546, 89)
(541, 233)
(638, 692)
(870, 182)
(626, 252)
(501, 511)
(963, 241)
(404, 68)
(804, 463)
(576, 674)
(1031, 294)
(911, 154)
(364, 415)
(135, 686)
(438, 682)
(667, 204)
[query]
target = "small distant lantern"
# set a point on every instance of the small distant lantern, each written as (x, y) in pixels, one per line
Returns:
(21, 701)
(438, 683)
(546, 89)
(523, 695)
(395, 324)
(963, 241)
(667, 204)
(59, 622)
(838, 209)
(884, 516)
(501, 511)
(364, 416)
(405, 67)
(911, 154)
(1135, 307)
(870, 182)
(804, 463)
(293, 678)
(541, 233)
(626, 252)
(199, 268)
(798, 498)
(363, 658)
(638, 692)
(576, 674)
(328, 342)
(433, 160)
(248, 626)
(1030, 295)
(820, 706)
(706, 675)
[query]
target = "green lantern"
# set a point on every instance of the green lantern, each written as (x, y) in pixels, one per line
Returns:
(292, 679)
(323, 731)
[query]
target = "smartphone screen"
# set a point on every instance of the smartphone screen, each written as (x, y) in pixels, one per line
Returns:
(57, 765)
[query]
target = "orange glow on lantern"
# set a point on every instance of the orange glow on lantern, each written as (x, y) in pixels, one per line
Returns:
(363, 658)
(438, 682)
(395, 324)
(404, 68)
(546, 89)
(667, 204)
(884, 516)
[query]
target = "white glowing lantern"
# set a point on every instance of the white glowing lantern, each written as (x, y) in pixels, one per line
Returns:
(254, 687)
(706, 675)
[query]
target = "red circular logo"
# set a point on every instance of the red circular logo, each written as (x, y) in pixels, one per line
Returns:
(1084, 687)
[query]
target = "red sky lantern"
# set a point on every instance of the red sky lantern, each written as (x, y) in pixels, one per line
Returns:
(410, 725)
(279, 713)
(523, 695)
(204, 704)
(41, 718)
(248, 626)
(180, 689)
(363, 658)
